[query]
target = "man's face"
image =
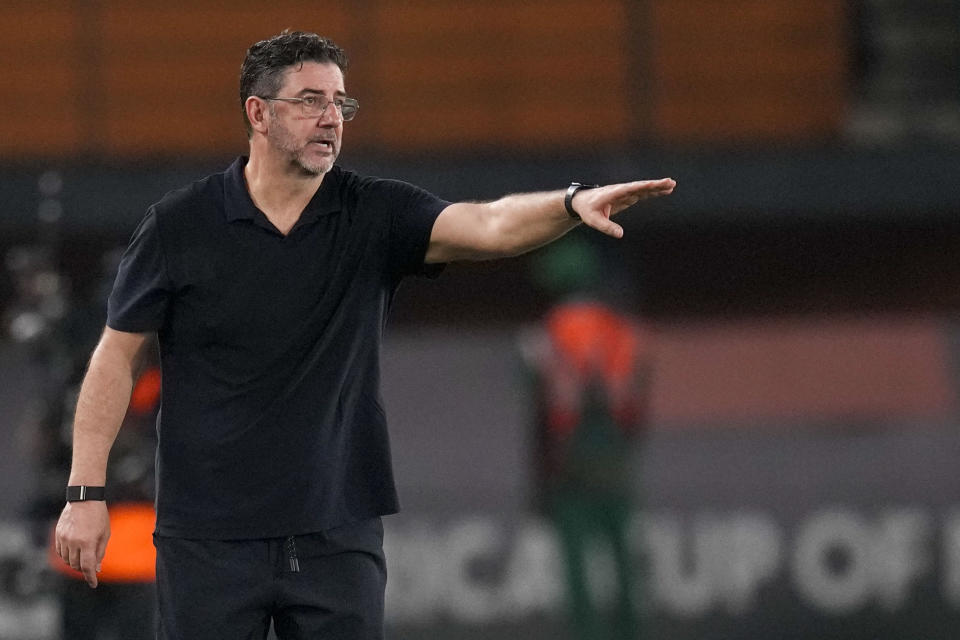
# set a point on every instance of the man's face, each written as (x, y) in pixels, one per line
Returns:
(310, 143)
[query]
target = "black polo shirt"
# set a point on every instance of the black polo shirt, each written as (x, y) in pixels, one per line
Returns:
(272, 422)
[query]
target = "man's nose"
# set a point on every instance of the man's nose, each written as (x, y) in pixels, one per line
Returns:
(331, 114)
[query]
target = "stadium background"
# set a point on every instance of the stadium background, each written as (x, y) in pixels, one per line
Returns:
(800, 474)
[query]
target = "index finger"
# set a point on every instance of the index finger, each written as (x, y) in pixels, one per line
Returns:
(662, 183)
(641, 188)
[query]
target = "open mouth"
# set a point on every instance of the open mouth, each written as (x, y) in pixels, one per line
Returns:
(326, 145)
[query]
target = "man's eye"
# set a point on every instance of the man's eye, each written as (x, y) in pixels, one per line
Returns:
(338, 103)
(310, 101)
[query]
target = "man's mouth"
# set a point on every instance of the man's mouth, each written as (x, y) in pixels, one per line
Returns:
(324, 144)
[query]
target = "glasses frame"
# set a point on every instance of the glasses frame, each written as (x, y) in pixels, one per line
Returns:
(339, 104)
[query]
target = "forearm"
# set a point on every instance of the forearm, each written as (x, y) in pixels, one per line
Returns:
(101, 406)
(506, 227)
(526, 221)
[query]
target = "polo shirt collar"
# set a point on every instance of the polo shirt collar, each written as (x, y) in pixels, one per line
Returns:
(239, 205)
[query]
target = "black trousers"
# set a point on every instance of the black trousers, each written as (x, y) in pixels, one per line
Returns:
(112, 611)
(321, 585)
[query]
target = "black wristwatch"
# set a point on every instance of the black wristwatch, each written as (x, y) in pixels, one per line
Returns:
(82, 493)
(571, 191)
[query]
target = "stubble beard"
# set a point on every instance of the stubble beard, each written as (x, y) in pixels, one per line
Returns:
(286, 142)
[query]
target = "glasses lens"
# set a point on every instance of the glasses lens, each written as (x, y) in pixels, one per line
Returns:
(349, 109)
(314, 106)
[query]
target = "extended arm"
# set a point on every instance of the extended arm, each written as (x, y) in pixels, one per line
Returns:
(519, 223)
(84, 527)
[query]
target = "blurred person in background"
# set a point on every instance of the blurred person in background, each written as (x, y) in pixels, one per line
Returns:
(589, 367)
(269, 285)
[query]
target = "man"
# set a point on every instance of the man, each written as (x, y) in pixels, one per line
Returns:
(268, 286)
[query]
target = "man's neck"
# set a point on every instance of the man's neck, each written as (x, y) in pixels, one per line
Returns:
(279, 190)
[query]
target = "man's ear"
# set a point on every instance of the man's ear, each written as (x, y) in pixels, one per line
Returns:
(256, 109)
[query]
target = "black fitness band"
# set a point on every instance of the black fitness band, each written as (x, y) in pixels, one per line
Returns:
(82, 493)
(572, 191)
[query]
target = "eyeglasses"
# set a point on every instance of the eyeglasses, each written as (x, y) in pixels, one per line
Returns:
(313, 106)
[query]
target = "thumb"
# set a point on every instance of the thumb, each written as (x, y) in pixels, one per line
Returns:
(605, 225)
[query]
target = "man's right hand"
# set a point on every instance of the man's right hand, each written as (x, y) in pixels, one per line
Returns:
(81, 537)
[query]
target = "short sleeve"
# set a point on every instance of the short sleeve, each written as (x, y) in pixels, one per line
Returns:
(142, 290)
(413, 212)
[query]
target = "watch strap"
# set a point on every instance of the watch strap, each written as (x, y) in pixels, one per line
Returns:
(572, 191)
(82, 493)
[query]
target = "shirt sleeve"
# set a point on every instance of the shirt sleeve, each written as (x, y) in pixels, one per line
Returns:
(142, 290)
(413, 212)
